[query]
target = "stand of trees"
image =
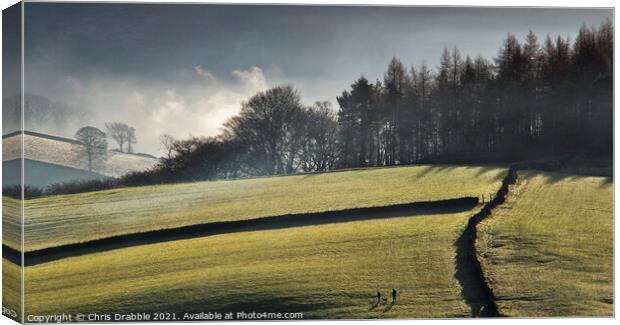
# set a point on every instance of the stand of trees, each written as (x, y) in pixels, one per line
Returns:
(273, 134)
(96, 144)
(534, 100)
(122, 134)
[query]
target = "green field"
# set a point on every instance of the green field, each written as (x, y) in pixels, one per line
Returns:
(331, 270)
(548, 250)
(11, 222)
(327, 271)
(63, 219)
(11, 286)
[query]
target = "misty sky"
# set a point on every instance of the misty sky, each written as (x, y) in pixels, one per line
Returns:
(183, 69)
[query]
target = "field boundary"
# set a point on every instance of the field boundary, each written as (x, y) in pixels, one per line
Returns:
(215, 228)
(475, 287)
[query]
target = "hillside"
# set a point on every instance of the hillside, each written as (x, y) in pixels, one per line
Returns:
(545, 251)
(64, 219)
(327, 271)
(331, 269)
(41, 174)
(548, 250)
(58, 151)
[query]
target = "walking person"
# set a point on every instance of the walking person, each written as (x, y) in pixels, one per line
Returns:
(378, 297)
(393, 295)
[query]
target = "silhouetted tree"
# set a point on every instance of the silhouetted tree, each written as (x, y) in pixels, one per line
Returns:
(122, 134)
(535, 100)
(269, 127)
(395, 83)
(166, 141)
(358, 112)
(319, 150)
(531, 100)
(425, 131)
(95, 144)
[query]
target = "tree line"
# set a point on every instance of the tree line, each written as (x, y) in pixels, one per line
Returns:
(533, 99)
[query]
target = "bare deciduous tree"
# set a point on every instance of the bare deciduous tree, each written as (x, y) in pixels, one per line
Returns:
(268, 128)
(122, 134)
(95, 144)
(166, 141)
(319, 145)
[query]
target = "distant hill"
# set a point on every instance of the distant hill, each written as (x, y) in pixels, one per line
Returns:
(50, 159)
(41, 174)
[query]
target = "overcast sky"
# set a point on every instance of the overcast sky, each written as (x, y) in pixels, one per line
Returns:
(183, 69)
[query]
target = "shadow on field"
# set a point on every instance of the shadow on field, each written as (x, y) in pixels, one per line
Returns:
(429, 170)
(474, 287)
(388, 307)
(225, 227)
(556, 177)
(475, 290)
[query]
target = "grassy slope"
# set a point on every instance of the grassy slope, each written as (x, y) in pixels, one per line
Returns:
(11, 286)
(42, 174)
(328, 271)
(11, 273)
(58, 220)
(549, 248)
(11, 222)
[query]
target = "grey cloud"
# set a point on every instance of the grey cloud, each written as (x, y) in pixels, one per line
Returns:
(147, 63)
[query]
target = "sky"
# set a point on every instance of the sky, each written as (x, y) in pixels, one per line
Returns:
(183, 69)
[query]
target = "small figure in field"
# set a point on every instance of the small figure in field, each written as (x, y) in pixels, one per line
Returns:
(393, 295)
(378, 297)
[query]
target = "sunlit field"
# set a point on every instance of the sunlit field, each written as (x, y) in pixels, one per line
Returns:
(548, 251)
(63, 219)
(11, 287)
(321, 162)
(11, 222)
(327, 271)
